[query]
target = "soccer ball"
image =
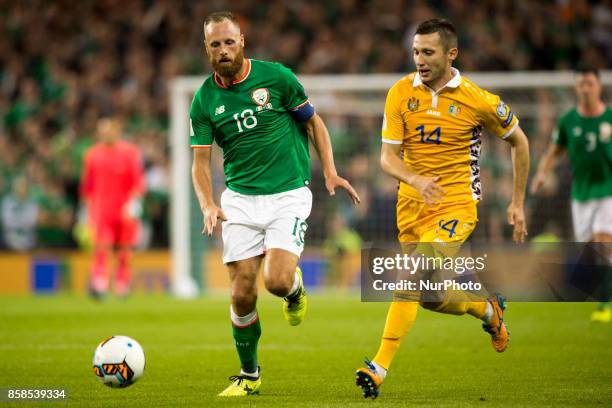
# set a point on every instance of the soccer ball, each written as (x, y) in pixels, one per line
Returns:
(119, 361)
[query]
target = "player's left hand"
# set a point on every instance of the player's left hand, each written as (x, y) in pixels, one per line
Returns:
(516, 217)
(336, 181)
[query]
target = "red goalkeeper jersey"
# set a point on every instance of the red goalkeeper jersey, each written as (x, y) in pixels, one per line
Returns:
(111, 175)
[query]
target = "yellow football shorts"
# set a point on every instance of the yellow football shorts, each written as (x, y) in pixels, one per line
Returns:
(445, 226)
(436, 232)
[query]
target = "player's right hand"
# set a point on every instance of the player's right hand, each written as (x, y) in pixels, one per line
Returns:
(431, 192)
(211, 215)
(516, 218)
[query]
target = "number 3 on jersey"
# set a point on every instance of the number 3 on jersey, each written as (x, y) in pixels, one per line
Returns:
(433, 137)
(247, 119)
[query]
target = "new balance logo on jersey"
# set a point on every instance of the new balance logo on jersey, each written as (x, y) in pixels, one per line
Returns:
(219, 110)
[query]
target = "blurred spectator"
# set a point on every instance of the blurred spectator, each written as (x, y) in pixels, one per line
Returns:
(19, 217)
(55, 218)
(342, 251)
(156, 200)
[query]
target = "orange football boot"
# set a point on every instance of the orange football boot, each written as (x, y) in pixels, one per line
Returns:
(500, 336)
(368, 380)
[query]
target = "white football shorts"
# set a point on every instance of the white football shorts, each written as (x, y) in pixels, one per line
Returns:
(592, 217)
(256, 223)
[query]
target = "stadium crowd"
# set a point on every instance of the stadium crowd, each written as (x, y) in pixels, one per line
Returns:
(63, 64)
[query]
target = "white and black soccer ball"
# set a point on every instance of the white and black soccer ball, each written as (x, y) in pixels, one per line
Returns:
(119, 361)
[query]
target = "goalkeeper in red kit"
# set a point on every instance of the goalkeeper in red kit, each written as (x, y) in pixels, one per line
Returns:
(112, 185)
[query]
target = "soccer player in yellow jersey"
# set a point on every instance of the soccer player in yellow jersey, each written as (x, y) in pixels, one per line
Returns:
(434, 119)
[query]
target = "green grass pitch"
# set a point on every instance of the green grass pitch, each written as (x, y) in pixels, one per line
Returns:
(556, 356)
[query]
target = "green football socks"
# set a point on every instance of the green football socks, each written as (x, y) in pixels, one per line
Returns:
(246, 331)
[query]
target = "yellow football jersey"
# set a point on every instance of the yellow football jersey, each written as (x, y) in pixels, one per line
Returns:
(440, 132)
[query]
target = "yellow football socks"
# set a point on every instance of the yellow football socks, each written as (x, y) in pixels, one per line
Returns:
(400, 318)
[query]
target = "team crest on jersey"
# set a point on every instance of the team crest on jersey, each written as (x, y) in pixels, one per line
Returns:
(454, 109)
(260, 96)
(413, 104)
(502, 109)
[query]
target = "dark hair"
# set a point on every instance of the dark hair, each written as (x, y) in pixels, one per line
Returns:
(587, 70)
(219, 16)
(446, 30)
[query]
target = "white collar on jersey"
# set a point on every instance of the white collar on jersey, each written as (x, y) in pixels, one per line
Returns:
(453, 83)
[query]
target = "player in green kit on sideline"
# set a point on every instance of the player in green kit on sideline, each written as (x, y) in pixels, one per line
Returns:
(260, 116)
(585, 132)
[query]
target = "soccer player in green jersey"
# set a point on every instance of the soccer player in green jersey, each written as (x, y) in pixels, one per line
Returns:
(260, 116)
(584, 133)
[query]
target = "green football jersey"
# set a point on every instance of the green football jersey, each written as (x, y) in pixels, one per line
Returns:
(265, 151)
(587, 141)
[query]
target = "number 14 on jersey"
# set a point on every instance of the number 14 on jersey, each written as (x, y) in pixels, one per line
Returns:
(432, 137)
